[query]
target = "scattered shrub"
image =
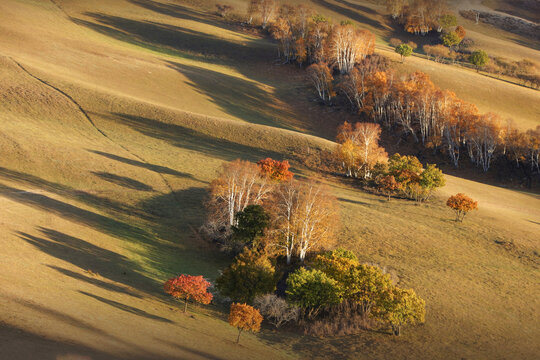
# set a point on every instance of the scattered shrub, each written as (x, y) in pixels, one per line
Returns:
(276, 310)
(461, 204)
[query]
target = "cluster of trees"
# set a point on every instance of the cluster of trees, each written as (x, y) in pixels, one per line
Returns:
(262, 206)
(419, 16)
(306, 37)
(436, 118)
(361, 156)
(318, 290)
(277, 238)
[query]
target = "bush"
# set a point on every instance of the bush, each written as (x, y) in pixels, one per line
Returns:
(312, 290)
(250, 274)
(479, 59)
(276, 310)
(461, 204)
(394, 42)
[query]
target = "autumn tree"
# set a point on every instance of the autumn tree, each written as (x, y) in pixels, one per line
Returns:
(388, 185)
(312, 290)
(267, 9)
(282, 32)
(317, 39)
(400, 307)
(437, 51)
(482, 139)
(250, 274)
(460, 31)
(275, 169)
(349, 45)
(359, 148)
(305, 218)
(189, 288)
(404, 50)
(479, 59)
(239, 184)
(461, 204)
(321, 77)
(245, 318)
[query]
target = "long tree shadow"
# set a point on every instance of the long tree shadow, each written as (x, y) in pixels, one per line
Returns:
(172, 40)
(127, 308)
(123, 181)
(152, 167)
(190, 139)
(95, 201)
(87, 256)
(15, 345)
(96, 282)
(181, 12)
(67, 211)
(237, 97)
(351, 14)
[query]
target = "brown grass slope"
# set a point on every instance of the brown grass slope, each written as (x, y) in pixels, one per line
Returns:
(104, 163)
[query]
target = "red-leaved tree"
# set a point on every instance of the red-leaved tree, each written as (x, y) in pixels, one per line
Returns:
(275, 169)
(189, 287)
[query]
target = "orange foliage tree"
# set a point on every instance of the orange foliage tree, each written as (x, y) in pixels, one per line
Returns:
(321, 77)
(245, 318)
(275, 169)
(188, 287)
(461, 204)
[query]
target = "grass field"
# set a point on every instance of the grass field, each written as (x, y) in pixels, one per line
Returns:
(114, 118)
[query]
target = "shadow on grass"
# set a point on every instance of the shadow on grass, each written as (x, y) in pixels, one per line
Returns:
(190, 139)
(127, 308)
(21, 344)
(95, 201)
(172, 40)
(95, 282)
(123, 181)
(351, 14)
(87, 256)
(193, 352)
(155, 168)
(237, 97)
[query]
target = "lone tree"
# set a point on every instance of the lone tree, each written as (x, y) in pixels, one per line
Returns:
(189, 287)
(461, 204)
(479, 59)
(404, 50)
(245, 317)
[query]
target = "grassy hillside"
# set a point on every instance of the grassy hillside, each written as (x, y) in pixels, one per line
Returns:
(115, 116)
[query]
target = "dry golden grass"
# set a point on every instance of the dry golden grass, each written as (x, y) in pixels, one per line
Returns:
(91, 226)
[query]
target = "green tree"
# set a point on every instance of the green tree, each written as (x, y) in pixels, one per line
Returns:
(312, 290)
(398, 163)
(432, 178)
(447, 21)
(451, 39)
(479, 59)
(250, 274)
(404, 50)
(400, 307)
(363, 284)
(251, 224)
